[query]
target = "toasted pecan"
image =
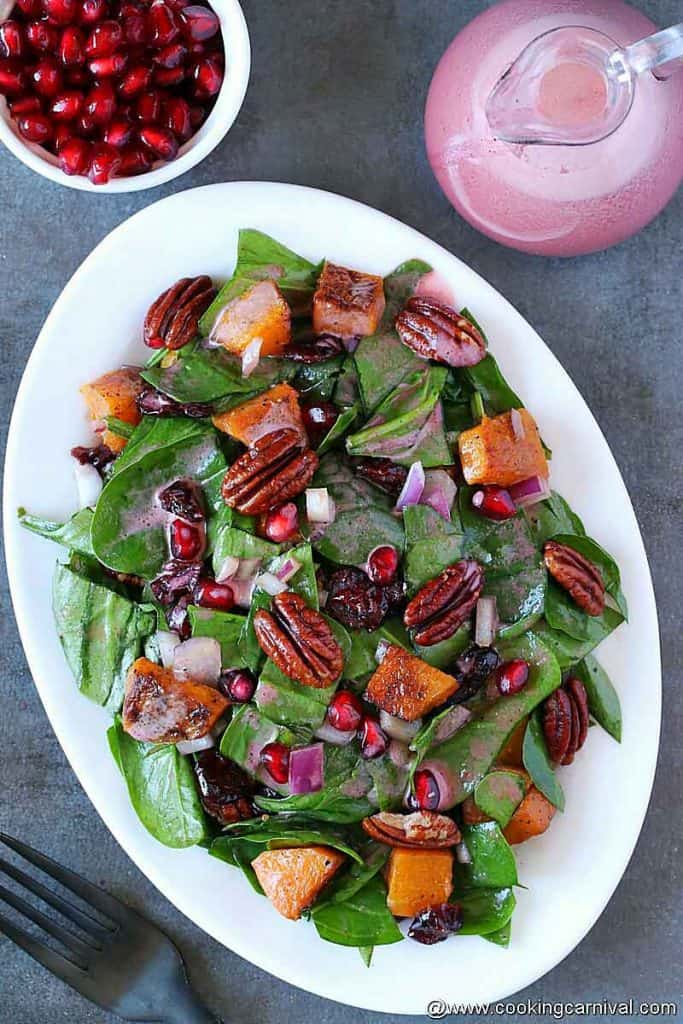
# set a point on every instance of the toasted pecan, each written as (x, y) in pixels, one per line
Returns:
(173, 317)
(577, 575)
(300, 642)
(274, 470)
(425, 830)
(443, 604)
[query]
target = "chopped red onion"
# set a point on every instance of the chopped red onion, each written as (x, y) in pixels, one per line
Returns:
(251, 357)
(530, 492)
(167, 643)
(228, 568)
(248, 568)
(381, 650)
(319, 505)
(399, 753)
(452, 723)
(306, 769)
(517, 424)
(270, 583)
(462, 854)
(194, 746)
(89, 484)
(334, 736)
(289, 568)
(397, 728)
(439, 492)
(411, 492)
(198, 659)
(242, 591)
(486, 622)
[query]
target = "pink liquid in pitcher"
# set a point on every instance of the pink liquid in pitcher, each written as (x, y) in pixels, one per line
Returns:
(554, 200)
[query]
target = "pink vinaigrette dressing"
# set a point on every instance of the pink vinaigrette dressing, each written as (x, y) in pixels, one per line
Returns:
(555, 200)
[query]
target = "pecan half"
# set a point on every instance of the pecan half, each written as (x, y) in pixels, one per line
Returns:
(579, 698)
(173, 317)
(299, 641)
(575, 574)
(424, 829)
(565, 721)
(434, 330)
(443, 604)
(274, 470)
(383, 473)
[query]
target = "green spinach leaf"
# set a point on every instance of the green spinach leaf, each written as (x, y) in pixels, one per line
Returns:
(492, 863)
(485, 910)
(563, 614)
(499, 794)
(73, 534)
(538, 763)
(361, 920)
(213, 374)
(274, 833)
(222, 626)
(603, 699)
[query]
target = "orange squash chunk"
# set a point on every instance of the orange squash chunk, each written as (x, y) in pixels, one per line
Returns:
(532, 818)
(417, 879)
(158, 708)
(511, 754)
(347, 303)
(275, 409)
(114, 394)
(293, 878)
(492, 453)
(260, 312)
(472, 814)
(407, 687)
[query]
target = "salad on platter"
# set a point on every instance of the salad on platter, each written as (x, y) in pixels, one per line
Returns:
(319, 579)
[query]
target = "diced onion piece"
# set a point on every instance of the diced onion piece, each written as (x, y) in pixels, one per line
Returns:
(228, 569)
(242, 591)
(89, 484)
(194, 746)
(530, 492)
(306, 769)
(452, 723)
(439, 492)
(288, 569)
(198, 659)
(381, 650)
(270, 583)
(411, 492)
(517, 424)
(486, 622)
(167, 643)
(336, 737)
(319, 505)
(248, 568)
(397, 728)
(462, 854)
(251, 357)
(399, 753)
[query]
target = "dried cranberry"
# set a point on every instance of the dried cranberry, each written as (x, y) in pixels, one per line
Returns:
(511, 677)
(175, 579)
(151, 402)
(494, 502)
(383, 473)
(237, 684)
(275, 759)
(319, 418)
(355, 601)
(383, 564)
(282, 524)
(183, 499)
(472, 669)
(426, 790)
(100, 457)
(224, 788)
(209, 594)
(345, 711)
(434, 924)
(316, 348)
(186, 542)
(373, 740)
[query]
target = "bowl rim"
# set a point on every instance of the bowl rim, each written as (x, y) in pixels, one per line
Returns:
(212, 132)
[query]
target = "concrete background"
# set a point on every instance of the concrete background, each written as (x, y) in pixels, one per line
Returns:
(336, 101)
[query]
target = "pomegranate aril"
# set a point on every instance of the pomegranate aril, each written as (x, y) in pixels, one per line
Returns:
(30, 8)
(345, 711)
(42, 37)
(237, 684)
(61, 12)
(427, 794)
(187, 542)
(86, 126)
(165, 78)
(104, 163)
(209, 594)
(11, 39)
(319, 418)
(47, 78)
(72, 47)
(177, 117)
(177, 5)
(207, 76)
(78, 77)
(67, 105)
(275, 759)
(35, 127)
(161, 141)
(197, 117)
(512, 676)
(25, 105)
(63, 132)
(373, 740)
(149, 106)
(162, 25)
(383, 564)
(134, 160)
(100, 103)
(108, 67)
(135, 29)
(104, 39)
(494, 502)
(92, 11)
(198, 22)
(135, 81)
(74, 156)
(171, 56)
(118, 133)
(282, 524)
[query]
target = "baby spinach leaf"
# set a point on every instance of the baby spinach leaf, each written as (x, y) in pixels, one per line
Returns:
(342, 425)
(361, 920)
(162, 790)
(347, 391)
(120, 427)
(239, 853)
(366, 954)
(603, 699)
(492, 863)
(316, 382)
(382, 360)
(347, 883)
(499, 794)
(222, 626)
(212, 374)
(501, 937)
(101, 632)
(73, 534)
(487, 379)
(231, 541)
(432, 544)
(563, 614)
(342, 799)
(389, 782)
(288, 702)
(538, 763)
(520, 598)
(274, 834)
(485, 910)
(443, 654)
(552, 517)
(247, 733)
(567, 650)
(361, 661)
(501, 548)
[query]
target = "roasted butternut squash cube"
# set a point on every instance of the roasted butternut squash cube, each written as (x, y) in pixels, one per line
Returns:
(532, 818)
(472, 814)
(114, 394)
(417, 879)
(260, 312)
(159, 708)
(293, 878)
(511, 754)
(347, 303)
(405, 686)
(494, 452)
(275, 409)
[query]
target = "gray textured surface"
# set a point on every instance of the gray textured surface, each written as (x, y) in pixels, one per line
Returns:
(348, 119)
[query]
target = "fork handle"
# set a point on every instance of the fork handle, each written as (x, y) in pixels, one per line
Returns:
(186, 1008)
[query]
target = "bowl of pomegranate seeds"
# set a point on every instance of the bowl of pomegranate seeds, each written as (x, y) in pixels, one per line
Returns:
(119, 95)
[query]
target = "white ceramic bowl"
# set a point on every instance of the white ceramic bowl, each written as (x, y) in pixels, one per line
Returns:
(216, 126)
(572, 870)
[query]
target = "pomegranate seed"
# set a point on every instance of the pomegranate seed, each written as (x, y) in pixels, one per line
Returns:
(319, 418)
(25, 105)
(67, 106)
(171, 56)
(130, 7)
(237, 684)
(209, 594)
(196, 49)
(11, 39)
(135, 29)
(47, 78)
(135, 81)
(74, 156)
(345, 711)
(63, 132)
(78, 77)
(161, 141)
(275, 759)
(100, 103)
(282, 524)
(104, 163)
(177, 5)
(511, 677)
(199, 23)
(118, 133)
(86, 126)
(197, 117)
(162, 25)
(494, 502)
(187, 542)
(148, 107)
(104, 40)
(42, 37)
(382, 564)
(177, 117)
(427, 794)
(108, 67)
(92, 11)
(35, 127)
(167, 77)
(135, 160)
(373, 739)
(61, 12)
(30, 8)
(207, 75)
(72, 47)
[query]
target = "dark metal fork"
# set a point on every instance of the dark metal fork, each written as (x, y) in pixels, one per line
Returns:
(118, 959)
